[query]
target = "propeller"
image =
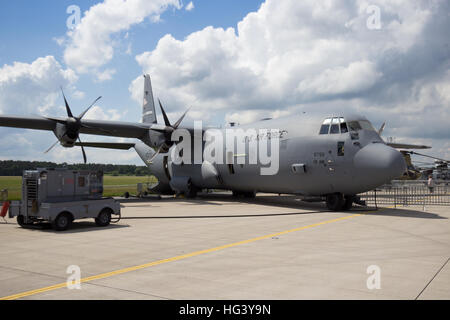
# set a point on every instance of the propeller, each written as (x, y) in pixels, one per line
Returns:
(72, 124)
(168, 130)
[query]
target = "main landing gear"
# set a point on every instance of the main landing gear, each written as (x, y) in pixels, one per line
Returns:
(244, 194)
(338, 202)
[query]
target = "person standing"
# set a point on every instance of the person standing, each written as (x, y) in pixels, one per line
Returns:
(430, 184)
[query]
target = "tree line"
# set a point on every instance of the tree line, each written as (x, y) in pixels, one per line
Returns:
(16, 168)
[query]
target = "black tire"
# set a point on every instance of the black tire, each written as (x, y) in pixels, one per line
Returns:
(249, 195)
(348, 203)
(335, 201)
(21, 221)
(104, 218)
(62, 221)
(192, 193)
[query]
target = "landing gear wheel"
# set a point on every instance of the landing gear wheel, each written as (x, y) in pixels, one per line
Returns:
(348, 202)
(192, 193)
(62, 221)
(244, 194)
(335, 201)
(249, 195)
(104, 218)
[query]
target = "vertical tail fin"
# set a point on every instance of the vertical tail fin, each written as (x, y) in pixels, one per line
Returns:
(148, 111)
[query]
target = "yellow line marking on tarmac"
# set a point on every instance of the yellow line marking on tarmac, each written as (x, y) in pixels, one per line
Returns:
(177, 258)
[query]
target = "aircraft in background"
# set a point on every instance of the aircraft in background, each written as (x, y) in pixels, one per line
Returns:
(336, 159)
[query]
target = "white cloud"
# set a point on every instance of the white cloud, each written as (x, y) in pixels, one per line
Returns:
(78, 95)
(312, 56)
(91, 44)
(33, 88)
(190, 6)
(97, 113)
(105, 75)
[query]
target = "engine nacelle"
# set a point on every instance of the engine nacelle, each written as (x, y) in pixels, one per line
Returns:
(157, 140)
(65, 135)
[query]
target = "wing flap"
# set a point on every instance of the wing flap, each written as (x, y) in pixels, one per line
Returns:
(106, 145)
(114, 128)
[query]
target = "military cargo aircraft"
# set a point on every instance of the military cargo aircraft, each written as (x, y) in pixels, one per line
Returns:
(336, 159)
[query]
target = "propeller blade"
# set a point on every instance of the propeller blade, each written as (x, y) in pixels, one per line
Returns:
(53, 145)
(82, 150)
(69, 112)
(92, 104)
(166, 119)
(155, 155)
(177, 124)
(380, 131)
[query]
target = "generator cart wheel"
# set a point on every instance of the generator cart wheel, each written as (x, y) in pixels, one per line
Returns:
(21, 221)
(62, 221)
(104, 218)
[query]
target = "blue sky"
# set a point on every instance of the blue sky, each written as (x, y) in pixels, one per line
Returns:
(230, 60)
(36, 24)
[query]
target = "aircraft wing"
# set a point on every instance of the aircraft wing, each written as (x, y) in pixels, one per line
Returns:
(106, 145)
(38, 123)
(114, 128)
(407, 146)
(95, 127)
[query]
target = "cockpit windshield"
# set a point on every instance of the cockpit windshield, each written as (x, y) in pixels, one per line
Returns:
(334, 126)
(338, 125)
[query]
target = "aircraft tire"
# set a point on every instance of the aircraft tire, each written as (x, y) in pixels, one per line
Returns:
(244, 194)
(192, 193)
(348, 202)
(335, 201)
(249, 195)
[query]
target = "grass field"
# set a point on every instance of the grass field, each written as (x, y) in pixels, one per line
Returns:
(113, 185)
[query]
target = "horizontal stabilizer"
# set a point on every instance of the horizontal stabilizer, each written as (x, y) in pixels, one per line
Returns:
(106, 145)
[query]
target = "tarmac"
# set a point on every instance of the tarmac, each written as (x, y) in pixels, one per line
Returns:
(218, 247)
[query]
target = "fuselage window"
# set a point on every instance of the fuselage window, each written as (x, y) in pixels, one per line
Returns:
(344, 127)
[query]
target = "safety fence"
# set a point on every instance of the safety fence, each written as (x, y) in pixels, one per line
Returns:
(408, 195)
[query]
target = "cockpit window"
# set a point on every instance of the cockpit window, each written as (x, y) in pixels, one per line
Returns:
(354, 126)
(360, 125)
(334, 126)
(325, 126)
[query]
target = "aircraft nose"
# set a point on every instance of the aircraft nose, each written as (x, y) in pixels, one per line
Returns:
(380, 162)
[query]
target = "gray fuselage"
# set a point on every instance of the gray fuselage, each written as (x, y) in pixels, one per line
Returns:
(347, 161)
